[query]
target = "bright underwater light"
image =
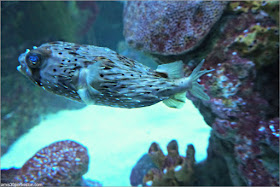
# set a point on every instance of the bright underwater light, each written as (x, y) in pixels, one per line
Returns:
(115, 138)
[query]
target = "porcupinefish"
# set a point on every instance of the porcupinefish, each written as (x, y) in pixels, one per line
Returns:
(100, 76)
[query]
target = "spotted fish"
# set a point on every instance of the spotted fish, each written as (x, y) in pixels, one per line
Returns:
(100, 76)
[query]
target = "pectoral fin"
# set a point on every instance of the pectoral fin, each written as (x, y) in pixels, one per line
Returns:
(85, 96)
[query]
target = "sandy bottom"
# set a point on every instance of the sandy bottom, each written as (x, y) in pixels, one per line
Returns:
(115, 138)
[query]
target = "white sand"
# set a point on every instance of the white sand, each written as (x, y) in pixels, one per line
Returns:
(115, 138)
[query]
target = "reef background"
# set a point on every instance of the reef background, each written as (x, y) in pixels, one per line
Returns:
(240, 40)
(241, 44)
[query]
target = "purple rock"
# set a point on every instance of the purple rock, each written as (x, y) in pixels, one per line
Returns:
(169, 27)
(61, 163)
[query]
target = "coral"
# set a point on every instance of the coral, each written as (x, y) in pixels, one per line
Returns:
(168, 27)
(171, 170)
(142, 167)
(258, 43)
(61, 163)
(244, 89)
(265, 7)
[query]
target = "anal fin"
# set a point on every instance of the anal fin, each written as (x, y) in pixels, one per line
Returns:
(176, 101)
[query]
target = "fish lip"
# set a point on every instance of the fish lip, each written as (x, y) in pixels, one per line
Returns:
(21, 58)
(19, 68)
(23, 68)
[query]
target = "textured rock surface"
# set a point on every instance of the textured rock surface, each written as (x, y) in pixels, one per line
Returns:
(62, 163)
(157, 169)
(169, 27)
(244, 90)
(214, 170)
(141, 168)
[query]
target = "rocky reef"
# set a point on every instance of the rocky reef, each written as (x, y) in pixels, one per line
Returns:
(243, 48)
(62, 163)
(157, 169)
(244, 109)
(168, 27)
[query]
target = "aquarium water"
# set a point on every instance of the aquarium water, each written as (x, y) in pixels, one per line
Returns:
(115, 138)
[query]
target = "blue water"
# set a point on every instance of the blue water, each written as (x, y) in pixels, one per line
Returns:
(115, 138)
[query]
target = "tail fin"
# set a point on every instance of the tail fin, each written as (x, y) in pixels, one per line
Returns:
(198, 90)
(178, 100)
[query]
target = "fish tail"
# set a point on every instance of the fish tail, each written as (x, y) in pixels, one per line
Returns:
(178, 100)
(197, 90)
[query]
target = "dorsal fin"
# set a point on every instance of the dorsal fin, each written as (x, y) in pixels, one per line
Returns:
(173, 70)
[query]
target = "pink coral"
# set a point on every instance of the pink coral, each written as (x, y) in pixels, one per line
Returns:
(61, 163)
(244, 90)
(169, 27)
(161, 170)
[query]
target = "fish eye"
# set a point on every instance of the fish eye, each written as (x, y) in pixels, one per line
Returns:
(33, 60)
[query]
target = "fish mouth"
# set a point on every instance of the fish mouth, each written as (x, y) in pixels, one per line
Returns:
(23, 68)
(22, 71)
(19, 68)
